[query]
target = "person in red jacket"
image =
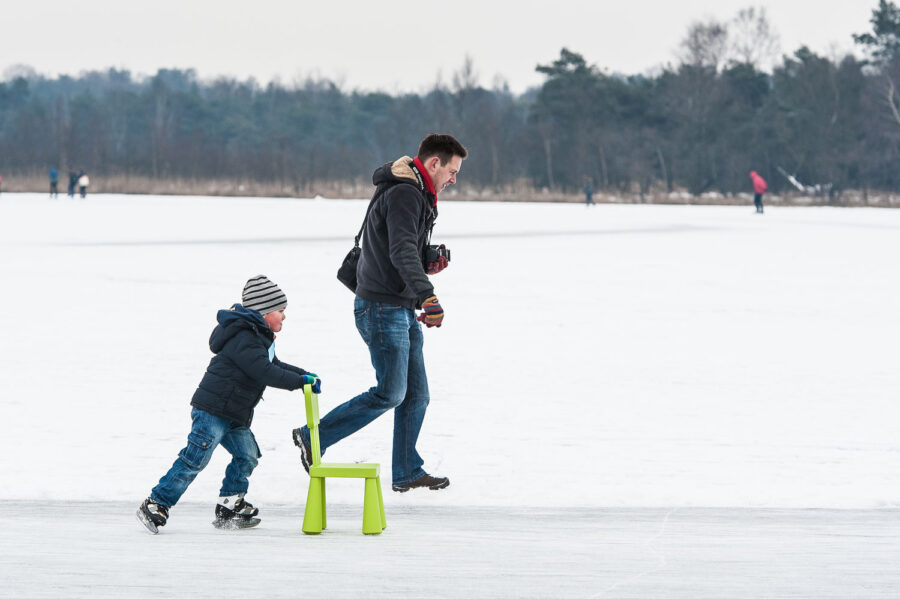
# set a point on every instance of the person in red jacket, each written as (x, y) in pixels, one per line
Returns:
(759, 188)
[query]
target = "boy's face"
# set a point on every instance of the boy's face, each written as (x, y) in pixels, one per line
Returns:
(275, 319)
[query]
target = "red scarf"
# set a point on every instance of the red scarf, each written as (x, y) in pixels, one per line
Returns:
(429, 186)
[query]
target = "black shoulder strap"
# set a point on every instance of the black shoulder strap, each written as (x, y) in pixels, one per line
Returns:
(421, 182)
(419, 178)
(378, 192)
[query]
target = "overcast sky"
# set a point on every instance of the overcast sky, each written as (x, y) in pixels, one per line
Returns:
(399, 46)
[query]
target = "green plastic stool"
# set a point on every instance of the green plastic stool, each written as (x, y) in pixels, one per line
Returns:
(314, 520)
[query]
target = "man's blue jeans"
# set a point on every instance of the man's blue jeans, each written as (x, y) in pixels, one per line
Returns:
(394, 337)
(207, 432)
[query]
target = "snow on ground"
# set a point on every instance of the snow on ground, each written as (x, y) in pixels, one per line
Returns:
(625, 356)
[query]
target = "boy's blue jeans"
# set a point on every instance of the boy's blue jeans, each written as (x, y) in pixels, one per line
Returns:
(394, 337)
(207, 432)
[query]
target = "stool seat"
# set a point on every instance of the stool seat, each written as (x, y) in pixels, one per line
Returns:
(346, 470)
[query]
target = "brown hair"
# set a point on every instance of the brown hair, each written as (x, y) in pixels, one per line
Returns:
(444, 147)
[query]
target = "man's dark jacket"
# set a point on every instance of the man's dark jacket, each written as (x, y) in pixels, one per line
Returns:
(241, 370)
(390, 268)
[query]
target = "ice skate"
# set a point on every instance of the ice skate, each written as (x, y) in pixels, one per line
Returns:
(234, 513)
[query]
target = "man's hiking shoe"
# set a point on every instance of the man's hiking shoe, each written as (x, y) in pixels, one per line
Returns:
(432, 482)
(152, 515)
(305, 452)
(235, 512)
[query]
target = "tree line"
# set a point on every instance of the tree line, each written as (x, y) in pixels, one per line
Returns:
(698, 125)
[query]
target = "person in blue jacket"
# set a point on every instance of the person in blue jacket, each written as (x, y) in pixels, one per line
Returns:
(54, 181)
(243, 366)
(588, 189)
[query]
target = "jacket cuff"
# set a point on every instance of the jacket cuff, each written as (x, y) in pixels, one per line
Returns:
(424, 296)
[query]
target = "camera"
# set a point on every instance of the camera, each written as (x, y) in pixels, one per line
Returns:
(434, 252)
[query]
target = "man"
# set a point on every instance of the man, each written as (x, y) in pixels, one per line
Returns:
(759, 188)
(392, 283)
(588, 189)
(54, 181)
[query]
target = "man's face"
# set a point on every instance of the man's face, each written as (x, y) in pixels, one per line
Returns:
(275, 320)
(443, 175)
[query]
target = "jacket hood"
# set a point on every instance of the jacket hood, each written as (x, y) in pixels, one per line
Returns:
(398, 171)
(234, 320)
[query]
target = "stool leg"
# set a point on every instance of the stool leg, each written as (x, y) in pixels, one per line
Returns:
(324, 504)
(371, 511)
(315, 508)
(381, 503)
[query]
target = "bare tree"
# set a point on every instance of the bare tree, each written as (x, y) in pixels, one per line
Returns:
(752, 38)
(466, 77)
(706, 45)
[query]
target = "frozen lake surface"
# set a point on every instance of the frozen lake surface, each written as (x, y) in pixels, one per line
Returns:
(447, 551)
(658, 400)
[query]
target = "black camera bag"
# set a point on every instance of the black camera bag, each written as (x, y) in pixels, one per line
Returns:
(346, 274)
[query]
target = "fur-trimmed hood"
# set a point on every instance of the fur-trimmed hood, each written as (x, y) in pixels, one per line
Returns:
(398, 171)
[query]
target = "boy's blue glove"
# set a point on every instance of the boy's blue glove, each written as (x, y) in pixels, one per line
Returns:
(314, 380)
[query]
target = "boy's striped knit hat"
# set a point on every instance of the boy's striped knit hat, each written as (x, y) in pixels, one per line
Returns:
(263, 295)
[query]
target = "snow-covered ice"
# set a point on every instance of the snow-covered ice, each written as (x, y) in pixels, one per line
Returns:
(672, 359)
(459, 552)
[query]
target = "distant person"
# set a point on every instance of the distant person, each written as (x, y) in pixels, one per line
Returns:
(83, 182)
(759, 188)
(73, 181)
(392, 283)
(588, 189)
(54, 181)
(1, 182)
(243, 366)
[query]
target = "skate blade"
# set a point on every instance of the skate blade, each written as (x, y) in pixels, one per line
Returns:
(235, 523)
(150, 526)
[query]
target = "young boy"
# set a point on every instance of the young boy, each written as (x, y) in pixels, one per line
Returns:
(243, 366)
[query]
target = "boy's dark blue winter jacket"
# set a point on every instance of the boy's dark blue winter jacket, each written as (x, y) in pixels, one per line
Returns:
(241, 370)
